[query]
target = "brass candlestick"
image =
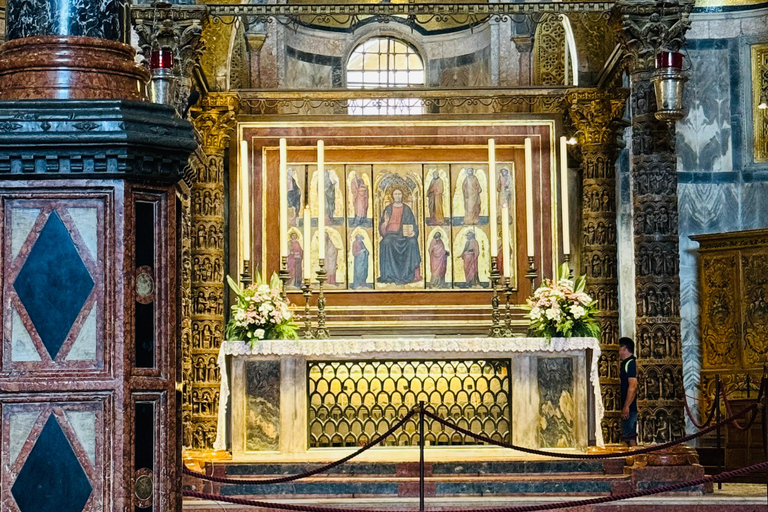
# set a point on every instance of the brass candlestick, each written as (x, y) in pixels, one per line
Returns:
(531, 274)
(245, 278)
(495, 331)
(567, 260)
(307, 289)
(507, 284)
(321, 332)
(284, 276)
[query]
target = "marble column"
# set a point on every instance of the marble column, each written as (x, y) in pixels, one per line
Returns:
(647, 28)
(214, 119)
(68, 49)
(88, 221)
(596, 115)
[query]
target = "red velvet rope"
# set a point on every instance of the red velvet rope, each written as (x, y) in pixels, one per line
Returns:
(710, 416)
(291, 478)
(593, 456)
(525, 508)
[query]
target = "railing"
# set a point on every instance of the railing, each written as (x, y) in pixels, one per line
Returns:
(760, 406)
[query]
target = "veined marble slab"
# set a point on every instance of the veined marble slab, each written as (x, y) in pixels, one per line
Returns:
(528, 357)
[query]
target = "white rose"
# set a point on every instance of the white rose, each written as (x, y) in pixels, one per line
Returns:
(259, 333)
(578, 312)
(553, 314)
(536, 313)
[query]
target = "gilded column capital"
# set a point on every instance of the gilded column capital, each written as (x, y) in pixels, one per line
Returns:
(214, 119)
(597, 115)
(648, 27)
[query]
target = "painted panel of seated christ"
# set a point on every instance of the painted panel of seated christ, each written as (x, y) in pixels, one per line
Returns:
(397, 226)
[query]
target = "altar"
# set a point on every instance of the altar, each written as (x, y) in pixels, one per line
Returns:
(316, 399)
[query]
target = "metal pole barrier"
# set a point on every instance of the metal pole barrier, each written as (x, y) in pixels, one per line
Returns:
(421, 456)
(720, 456)
(764, 418)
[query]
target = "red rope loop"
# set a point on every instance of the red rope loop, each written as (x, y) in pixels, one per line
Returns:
(594, 456)
(312, 472)
(525, 508)
(710, 416)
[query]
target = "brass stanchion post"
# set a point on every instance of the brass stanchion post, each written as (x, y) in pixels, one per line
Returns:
(421, 456)
(720, 456)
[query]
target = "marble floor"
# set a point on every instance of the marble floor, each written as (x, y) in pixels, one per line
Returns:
(731, 498)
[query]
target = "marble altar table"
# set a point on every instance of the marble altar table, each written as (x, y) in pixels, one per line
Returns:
(293, 400)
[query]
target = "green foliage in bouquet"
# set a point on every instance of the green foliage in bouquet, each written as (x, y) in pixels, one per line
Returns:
(260, 313)
(562, 309)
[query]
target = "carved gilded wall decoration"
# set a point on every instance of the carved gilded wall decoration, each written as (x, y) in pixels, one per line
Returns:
(549, 52)
(759, 117)
(214, 119)
(597, 119)
(733, 285)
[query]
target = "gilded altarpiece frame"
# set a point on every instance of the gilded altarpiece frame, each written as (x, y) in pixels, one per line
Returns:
(759, 116)
(392, 158)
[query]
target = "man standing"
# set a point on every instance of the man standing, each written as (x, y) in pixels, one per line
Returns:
(628, 377)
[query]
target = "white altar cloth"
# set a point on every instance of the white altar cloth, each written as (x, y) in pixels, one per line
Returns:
(355, 347)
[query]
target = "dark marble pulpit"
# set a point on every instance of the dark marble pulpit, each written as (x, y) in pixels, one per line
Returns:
(88, 228)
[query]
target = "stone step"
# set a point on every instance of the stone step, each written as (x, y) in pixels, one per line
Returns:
(570, 484)
(431, 468)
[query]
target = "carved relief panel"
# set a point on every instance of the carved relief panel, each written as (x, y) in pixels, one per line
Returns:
(733, 285)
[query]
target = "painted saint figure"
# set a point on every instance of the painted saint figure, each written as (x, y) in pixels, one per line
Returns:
(295, 257)
(438, 262)
(504, 187)
(359, 191)
(294, 198)
(331, 259)
(435, 196)
(469, 256)
(330, 197)
(360, 254)
(399, 258)
(471, 190)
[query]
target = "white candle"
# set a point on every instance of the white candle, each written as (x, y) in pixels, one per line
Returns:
(529, 194)
(564, 193)
(283, 198)
(492, 206)
(320, 199)
(307, 263)
(505, 239)
(245, 218)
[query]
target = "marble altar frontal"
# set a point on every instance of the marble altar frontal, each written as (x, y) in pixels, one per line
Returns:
(311, 399)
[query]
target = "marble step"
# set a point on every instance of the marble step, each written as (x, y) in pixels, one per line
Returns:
(652, 504)
(570, 484)
(431, 468)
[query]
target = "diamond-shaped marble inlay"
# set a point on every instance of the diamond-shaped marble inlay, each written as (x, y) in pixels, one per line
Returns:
(53, 284)
(52, 477)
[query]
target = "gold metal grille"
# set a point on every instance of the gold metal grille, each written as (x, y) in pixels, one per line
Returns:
(352, 402)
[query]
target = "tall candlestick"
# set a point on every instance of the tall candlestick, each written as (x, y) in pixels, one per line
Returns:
(307, 262)
(529, 195)
(564, 194)
(283, 198)
(245, 218)
(492, 206)
(320, 199)
(505, 239)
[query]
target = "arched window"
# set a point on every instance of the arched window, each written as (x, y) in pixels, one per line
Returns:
(385, 62)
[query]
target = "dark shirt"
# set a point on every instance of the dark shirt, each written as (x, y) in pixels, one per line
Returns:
(628, 369)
